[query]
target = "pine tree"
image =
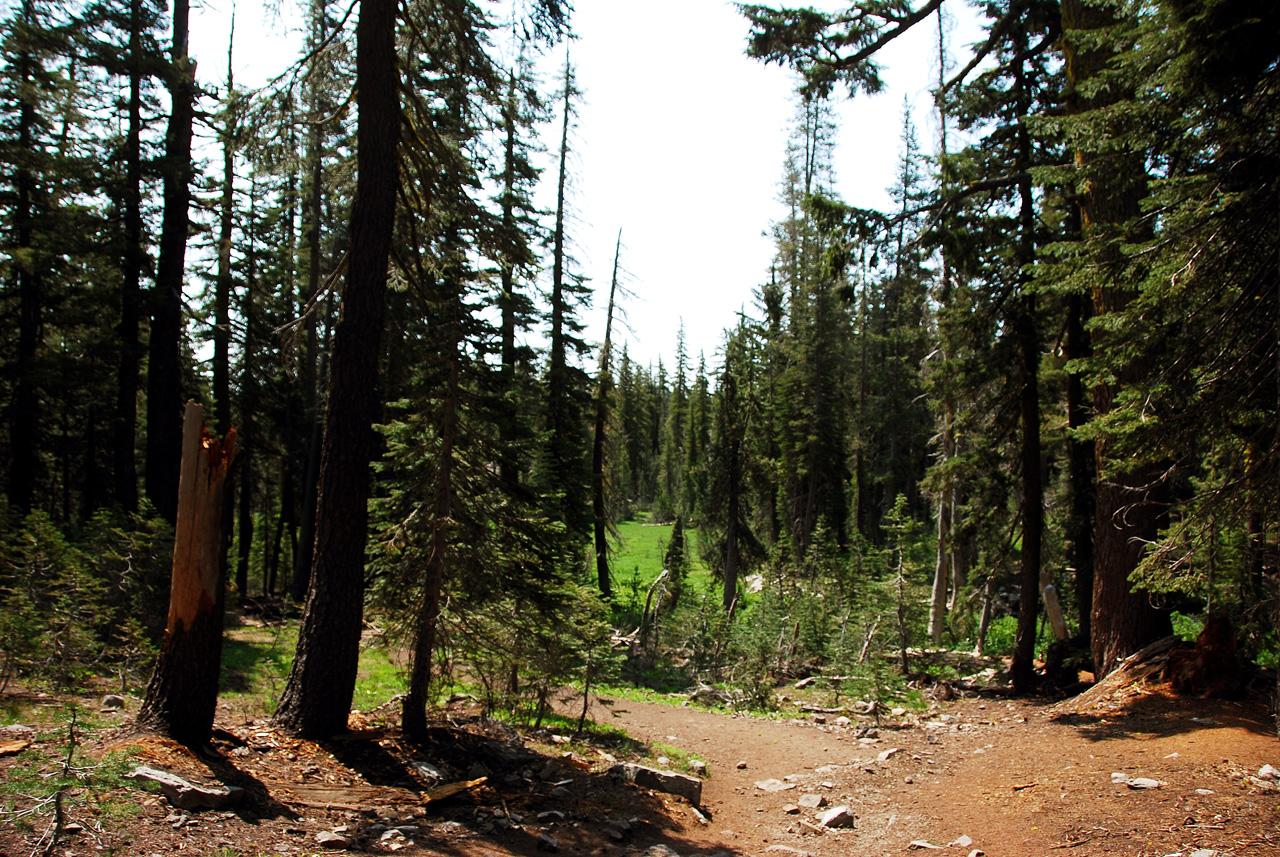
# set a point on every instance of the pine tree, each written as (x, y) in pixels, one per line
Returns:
(566, 460)
(317, 696)
(34, 52)
(164, 363)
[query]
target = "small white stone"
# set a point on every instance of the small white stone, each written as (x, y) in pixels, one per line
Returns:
(840, 816)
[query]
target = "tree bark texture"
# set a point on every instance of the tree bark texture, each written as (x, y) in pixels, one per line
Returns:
(164, 366)
(1025, 329)
(1129, 507)
(183, 692)
(317, 697)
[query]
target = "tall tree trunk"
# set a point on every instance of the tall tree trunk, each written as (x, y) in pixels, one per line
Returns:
(183, 691)
(248, 400)
(559, 407)
(413, 721)
(508, 464)
(1129, 507)
(603, 394)
(1080, 469)
(222, 289)
(1024, 325)
(23, 413)
(311, 374)
(943, 565)
(164, 365)
(125, 427)
(317, 697)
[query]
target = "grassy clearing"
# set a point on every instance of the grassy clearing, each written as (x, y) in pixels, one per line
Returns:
(639, 549)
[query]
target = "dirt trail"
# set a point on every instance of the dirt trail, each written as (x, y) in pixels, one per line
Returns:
(1016, 778)
(1013, 778)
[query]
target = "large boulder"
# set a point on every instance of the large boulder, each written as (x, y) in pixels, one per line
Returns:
(689, 788)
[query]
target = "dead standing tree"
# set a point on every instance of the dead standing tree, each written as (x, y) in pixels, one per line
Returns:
(183, 692)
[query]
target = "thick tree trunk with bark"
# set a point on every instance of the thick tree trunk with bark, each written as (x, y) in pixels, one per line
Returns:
(1129, 507)
(1025, 329)
(317, 697)
(183, 692)
(164, 366)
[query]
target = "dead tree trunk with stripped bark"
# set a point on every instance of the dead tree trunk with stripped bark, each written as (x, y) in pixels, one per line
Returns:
(183, 692)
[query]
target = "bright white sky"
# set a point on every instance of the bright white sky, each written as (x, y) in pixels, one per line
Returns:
(680, 144)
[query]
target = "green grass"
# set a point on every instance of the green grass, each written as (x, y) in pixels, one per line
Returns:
(255, 664)
(677, 759)
(639, 550)
(378, 679)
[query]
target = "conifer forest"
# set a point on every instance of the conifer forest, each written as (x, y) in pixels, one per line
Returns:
(1031, 408)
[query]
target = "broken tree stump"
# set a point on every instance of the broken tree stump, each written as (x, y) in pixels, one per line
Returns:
(183, 691)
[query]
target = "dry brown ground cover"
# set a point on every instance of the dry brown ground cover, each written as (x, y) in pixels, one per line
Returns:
(1016, 777)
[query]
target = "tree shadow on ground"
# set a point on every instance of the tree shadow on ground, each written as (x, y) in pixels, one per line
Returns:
(258, 803)
(1160, 713)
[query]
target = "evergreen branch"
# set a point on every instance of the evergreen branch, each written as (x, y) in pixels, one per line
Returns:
(292, 71)
(904, 24)
(998, 32)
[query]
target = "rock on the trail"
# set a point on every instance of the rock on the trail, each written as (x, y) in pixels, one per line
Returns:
(1266, 772)
(1203, 852)
(917, 844)
(547, 843)
(112, 702)
(774, 785)
(791, 809)
(689, 788)
(1143, 783)
(840, 816)
(843, 721)
(786, 849)
(660, 851)
(333, 841)
(185, 795)
(698, 767)
(813, 801)
(962, 841)
(741, 766)
(886, 755)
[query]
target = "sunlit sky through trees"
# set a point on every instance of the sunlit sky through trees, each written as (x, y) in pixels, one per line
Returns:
(680, 143)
